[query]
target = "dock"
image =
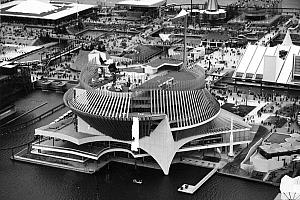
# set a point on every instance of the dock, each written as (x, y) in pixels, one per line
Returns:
(190, 189)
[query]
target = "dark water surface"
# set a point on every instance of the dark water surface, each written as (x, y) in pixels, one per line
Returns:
(26, 181)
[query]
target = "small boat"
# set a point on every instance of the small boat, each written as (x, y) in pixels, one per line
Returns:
(137, 181)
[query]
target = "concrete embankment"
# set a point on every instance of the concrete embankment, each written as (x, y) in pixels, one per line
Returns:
(248, 178)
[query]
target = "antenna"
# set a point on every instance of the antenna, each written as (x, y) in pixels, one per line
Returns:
(77, 1)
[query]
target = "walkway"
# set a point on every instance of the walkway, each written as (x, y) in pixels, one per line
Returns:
(88, 167)
(68, 51)
(267, 38)
(253, 114)
(190, 189)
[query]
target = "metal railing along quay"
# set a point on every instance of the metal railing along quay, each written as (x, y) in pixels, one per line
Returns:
(2, 125)
(8, 130)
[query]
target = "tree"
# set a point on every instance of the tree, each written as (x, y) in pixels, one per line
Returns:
(112, 68)
(80, 25)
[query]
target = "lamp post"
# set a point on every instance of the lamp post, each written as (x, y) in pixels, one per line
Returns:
(41, 56)
(223, 47)
(247, 94)
(231, 154)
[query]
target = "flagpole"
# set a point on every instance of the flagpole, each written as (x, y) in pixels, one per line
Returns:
(192, 19)
(77, 11)
(184, 14)
(184, 41)
(231, 154)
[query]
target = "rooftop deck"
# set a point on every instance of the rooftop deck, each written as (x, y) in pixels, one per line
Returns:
(281, 144)
(159, 62)
(40, 10)
(169, 78)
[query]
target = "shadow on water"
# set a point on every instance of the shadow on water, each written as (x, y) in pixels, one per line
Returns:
(28, 181)
(39, 182)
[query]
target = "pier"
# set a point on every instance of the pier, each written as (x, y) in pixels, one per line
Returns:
(190, 189)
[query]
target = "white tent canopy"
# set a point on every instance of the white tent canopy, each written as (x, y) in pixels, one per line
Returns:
(287, 41)
(164, 37)
(212, 5)
(94, 57)
(33, 7)
(181, 14)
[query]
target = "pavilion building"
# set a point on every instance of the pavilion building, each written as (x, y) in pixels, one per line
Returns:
(42, 13)
(154, 112)
(140, 9)
(212, 13)
(258, 13)
(258, 10)
(273, 66)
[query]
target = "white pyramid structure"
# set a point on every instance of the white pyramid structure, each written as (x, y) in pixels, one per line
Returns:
(181, 14)
(32, 7)
(212, 5)
(94, 57)
(287, 41)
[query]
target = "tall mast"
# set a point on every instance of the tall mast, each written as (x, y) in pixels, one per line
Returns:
(184, 41)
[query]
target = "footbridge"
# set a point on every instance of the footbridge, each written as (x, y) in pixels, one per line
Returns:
(67, 51)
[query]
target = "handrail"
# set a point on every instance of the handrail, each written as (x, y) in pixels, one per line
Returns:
(64, 148)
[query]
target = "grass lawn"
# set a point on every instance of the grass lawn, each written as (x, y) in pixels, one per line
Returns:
(277, 138)
(241, 110)
(278, 121)
(289, 110)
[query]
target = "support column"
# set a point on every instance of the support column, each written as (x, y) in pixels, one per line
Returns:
(160, 145)
(28, 147)
(231, 154)
(12, 153)
(192, 18)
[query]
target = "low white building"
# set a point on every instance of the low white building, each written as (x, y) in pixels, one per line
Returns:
(279, 64)
(265, 157)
